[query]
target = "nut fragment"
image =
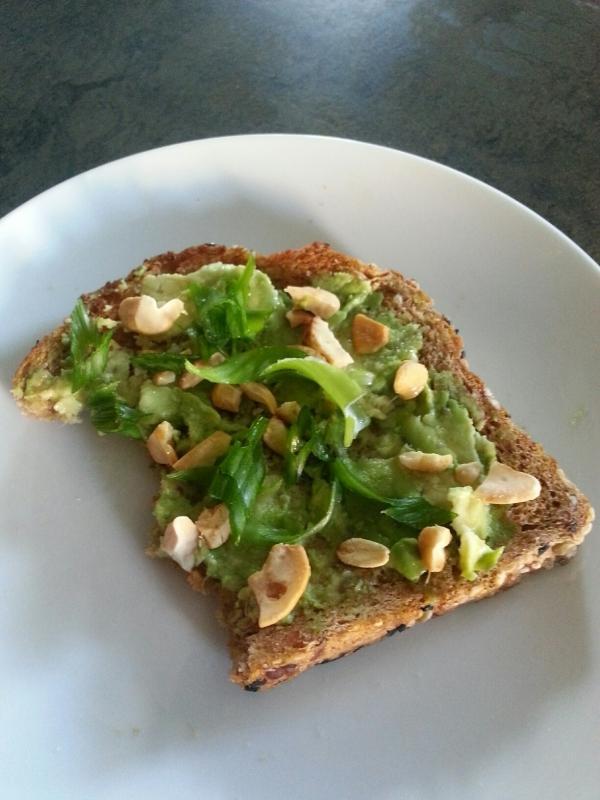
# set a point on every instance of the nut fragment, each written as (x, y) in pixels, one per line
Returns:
(164, 378)
(275, 436)
(259, 393)
(289, 411)
(363, 553)
(213, 526)
(143, 315)
(467, 474)
(504, 485)
(297, 317)
(368, 335)
(310, 298)
(320, 337)
(425, 462)
(280, 583)
(206, 452)
(180, 541)
(226, 397)
(188, 380)
(432, 542)
(160, 444)
(411, 379)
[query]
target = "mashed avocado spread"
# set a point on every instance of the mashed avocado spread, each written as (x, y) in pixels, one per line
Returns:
(317, 446)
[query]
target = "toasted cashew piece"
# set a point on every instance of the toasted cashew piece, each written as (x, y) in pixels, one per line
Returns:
(410, 380)
(425, 462)
(260, 393)
(275, 436)
(213, 526)
(310, 298)
(180, 541)
(280, 583)
(320, 337)
(164, 378)
(289, 411)
(504, 485)
(297, 317)
(206, 452)
(368, 335)
(467, 474)
(432, 542)
(188, 380)
(226, 397)
(143, 315)
(160, 444)
(364, 553)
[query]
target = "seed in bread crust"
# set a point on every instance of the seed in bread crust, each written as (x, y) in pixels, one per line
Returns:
(281, 582)
(364, 553)
(143, 315)
(410, 380)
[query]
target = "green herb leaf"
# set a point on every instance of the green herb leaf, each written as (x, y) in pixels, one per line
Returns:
(337, 385)
(405, 559)
(110, 414)
(247, 366)
(347, 475)
(416, 512)
(239, 477)
(89, 348)
(305, 437)
(158, 362)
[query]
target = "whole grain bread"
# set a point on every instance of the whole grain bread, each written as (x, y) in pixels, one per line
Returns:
(548, 529)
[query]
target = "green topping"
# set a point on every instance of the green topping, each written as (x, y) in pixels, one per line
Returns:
(88, 348)
(245, 367)
(473, 523)
(475, 555)
(159, 362)
(405, 559)
(110, 414)
(306, 437)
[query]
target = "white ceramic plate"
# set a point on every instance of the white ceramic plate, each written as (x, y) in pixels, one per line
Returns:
(114, 674)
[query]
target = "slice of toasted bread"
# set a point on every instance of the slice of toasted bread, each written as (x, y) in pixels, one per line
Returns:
(548, 529)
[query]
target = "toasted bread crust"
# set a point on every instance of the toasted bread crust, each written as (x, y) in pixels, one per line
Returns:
(548, 529)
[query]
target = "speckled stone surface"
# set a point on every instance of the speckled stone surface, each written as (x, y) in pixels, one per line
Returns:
(505, 90)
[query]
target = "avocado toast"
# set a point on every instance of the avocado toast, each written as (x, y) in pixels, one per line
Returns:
(328, 464)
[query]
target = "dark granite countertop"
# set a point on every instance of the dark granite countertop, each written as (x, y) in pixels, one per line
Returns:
(505, 90)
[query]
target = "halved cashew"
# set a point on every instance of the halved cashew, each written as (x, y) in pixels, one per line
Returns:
(160, 444)
(320, 337)
(143, 315)
(432, 542)
(280, 583)
(467, 474)
(180, 541)
(260, 393)
(363, 553)
(226, 396)
(164, 378)
(297, 317)
(275, 436)
(368, 335)
(206, 452)
(188, 380)
(411, 379)
(425, 462)
(213, 526)
(310, 298)
(289, 411)
(504, 485)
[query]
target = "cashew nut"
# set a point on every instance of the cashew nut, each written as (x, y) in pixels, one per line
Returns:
(432, 542)
(163, 378)
(504, 485)
(411, 379)
(280, 583)
(226, 397)
(180, 541)
(363, 553)
(143, 315)
(213, 526)
(368, 335)
(320, 337)
(275, 436)
(206, 452)
(310, 298)
(297, 317)
(289, 411)
(188, 380)
(160, 444)
(467, 474)
(425, 462)
(259, 393)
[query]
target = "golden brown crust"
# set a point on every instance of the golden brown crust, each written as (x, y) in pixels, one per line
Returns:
(548, 529)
